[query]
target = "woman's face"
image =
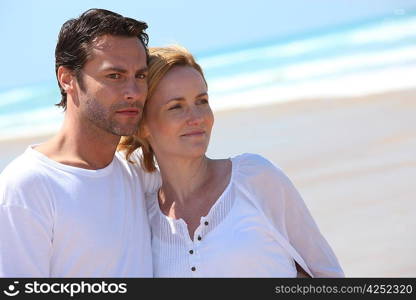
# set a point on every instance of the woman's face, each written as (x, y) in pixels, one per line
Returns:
(178, 119)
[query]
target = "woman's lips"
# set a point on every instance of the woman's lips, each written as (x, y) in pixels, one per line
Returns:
(194, 133)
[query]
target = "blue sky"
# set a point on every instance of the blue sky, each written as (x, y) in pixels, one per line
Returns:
(29, 29)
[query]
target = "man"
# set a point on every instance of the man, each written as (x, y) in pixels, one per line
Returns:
(71, 207)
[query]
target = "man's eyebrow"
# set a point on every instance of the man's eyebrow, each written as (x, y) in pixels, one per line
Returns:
(121, 70)
(142, 70)
(115, 69)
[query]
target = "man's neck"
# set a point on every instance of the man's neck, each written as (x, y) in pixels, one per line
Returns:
(82, 145)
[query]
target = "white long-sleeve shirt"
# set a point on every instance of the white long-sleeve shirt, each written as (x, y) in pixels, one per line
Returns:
(61, 221)
(258, 227)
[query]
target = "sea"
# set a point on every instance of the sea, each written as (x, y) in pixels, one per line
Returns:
(370, 56)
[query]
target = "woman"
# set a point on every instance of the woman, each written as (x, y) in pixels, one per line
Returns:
(237, 217)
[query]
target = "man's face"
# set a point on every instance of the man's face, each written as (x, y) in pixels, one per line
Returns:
(114, 84)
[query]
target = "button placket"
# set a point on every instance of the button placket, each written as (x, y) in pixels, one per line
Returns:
(198, 235)
(202, 229)
(193, 254)
(196, 260)
(193, 263)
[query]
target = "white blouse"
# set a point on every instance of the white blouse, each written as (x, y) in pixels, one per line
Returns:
(258, 227)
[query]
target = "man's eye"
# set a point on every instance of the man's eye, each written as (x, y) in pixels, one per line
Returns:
(141, 76)
(114, 76)
(175, 107)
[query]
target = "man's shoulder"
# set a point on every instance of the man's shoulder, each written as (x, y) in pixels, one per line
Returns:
(23, 170)
(22, 180)
(150, 181)
(131, 163)
(128, 164)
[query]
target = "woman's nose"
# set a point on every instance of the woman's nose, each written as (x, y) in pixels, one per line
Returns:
(195, 116)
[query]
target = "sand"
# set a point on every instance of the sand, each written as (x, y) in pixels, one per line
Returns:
(353, 160)
(11, 148)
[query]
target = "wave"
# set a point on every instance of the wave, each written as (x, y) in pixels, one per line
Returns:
(380, 34)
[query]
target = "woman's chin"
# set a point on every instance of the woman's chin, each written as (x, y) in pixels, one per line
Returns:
(194, 151)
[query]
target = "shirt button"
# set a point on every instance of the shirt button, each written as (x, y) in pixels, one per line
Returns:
(193, 269)
(191, 251)
(199, 238)
(206, 223)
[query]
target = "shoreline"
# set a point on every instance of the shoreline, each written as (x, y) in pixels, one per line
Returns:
(292, 105)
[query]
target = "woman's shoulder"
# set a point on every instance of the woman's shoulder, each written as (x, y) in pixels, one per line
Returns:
(256, 165)
(256, 173)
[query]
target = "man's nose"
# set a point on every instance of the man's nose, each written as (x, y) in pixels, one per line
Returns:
(135, 90)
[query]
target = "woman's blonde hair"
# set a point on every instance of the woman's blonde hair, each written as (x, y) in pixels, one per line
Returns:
(161, 60)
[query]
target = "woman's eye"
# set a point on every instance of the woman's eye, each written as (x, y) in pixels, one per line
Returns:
(203, 101)
(175, 107)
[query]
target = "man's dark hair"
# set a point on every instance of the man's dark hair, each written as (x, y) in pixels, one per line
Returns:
(76, 36)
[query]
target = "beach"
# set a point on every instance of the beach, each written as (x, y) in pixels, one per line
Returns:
(352, 159)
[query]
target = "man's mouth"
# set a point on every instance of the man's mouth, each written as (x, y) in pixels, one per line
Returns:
(128, 112)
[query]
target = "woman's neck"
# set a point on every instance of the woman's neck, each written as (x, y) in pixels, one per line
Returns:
(184, 178)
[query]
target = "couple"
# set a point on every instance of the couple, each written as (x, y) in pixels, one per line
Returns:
(75, 206)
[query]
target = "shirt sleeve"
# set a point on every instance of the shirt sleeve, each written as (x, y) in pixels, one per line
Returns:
(151, 182)
(25, 233)
(305, 236)
(285, 209)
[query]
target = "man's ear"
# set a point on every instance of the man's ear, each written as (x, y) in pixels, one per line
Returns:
(66, 79)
